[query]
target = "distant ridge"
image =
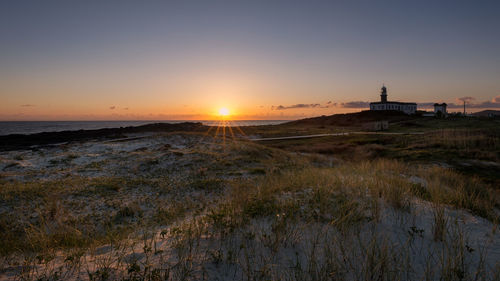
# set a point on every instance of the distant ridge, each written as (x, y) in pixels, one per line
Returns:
(487, 113)
(354, 119)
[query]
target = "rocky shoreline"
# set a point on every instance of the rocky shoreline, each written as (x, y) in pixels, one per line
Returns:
(23, 142)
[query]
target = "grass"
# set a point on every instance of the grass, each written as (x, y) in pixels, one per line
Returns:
(168, 214)
(290, 216)
(310, 197)
(464, 139)
(471, 151)
(440, 223)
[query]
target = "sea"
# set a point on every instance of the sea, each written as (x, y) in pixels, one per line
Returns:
(32, 127)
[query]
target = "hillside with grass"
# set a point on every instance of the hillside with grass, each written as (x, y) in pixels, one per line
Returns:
(200, 206)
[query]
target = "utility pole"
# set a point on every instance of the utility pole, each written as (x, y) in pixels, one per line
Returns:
(464, 107)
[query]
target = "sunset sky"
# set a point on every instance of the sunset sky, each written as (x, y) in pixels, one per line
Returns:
(164, 60)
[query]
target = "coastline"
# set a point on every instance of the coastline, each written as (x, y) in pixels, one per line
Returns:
(21, 141)
(33, 127)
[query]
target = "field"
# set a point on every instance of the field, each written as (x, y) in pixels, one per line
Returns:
(197, 206)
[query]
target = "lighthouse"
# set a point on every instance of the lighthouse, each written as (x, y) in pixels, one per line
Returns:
(384, 104)
(383, 94)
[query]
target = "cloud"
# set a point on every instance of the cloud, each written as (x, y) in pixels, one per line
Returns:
(494, 103)
(355, 104)
(454, 105)
(305, 105)
(126, 108)
(486, 104)
(427, 104)
(27, 105)
(431, 105)
(465, 99)
(299, 105)
(112, 107)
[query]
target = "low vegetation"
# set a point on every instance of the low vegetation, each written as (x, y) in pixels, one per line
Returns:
(472, 152)
(195, 207)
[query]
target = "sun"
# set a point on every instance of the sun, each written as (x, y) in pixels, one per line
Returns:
(223, 111)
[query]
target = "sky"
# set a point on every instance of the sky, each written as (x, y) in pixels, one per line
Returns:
(165, 60)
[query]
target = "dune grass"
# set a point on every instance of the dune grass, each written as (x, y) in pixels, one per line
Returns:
(246, 211)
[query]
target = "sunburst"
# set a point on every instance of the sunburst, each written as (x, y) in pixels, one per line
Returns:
(224, 112)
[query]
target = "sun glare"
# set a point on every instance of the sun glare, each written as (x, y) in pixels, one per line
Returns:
(223, 111)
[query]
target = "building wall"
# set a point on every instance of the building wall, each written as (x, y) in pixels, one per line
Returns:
(406, 108)
(438, 108)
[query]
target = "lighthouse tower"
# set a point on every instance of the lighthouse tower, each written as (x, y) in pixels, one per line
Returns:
(383, 94)
(383, 104)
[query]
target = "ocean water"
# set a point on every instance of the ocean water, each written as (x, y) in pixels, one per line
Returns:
(31, 127)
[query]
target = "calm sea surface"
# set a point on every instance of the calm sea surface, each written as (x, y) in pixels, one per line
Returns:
(31, 127)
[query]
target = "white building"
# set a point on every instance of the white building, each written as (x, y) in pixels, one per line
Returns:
(440, 107)
(383, 104)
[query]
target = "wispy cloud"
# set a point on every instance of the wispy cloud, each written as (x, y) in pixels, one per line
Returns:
(454, 105)
(299, 105)
(305, 105)
(355, 104)
(469, 103)
(494, 103)
(465, 99)
(426, 104)
(486, 104)
(27, 105)
(112, 107)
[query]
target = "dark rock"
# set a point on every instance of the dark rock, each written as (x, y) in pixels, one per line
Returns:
(19, 141)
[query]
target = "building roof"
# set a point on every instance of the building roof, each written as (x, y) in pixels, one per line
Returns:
(440, 104)
(396, 102)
